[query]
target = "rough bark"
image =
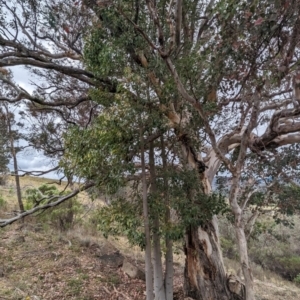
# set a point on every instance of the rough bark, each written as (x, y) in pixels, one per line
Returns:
(205, 277)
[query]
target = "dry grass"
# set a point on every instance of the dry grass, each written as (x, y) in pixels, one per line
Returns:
(268, 285)
(41, 263)
(8, 192)
(47, 265)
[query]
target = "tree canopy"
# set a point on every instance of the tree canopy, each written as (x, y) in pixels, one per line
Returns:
(218, 81)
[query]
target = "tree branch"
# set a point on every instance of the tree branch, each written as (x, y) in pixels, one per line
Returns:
(5, 222)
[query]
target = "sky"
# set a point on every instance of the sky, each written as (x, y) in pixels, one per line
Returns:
(30, 159)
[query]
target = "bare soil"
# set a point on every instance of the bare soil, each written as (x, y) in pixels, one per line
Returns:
(40, 263)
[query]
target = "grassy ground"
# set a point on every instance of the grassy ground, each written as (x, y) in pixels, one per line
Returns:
(48, 265)
(38, 262)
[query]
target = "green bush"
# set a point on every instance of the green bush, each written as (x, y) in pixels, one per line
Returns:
(289, 267)
(3, 179)
(62, 216)
(297, 279)
(286, 265)
(2, 202)
(229, 248)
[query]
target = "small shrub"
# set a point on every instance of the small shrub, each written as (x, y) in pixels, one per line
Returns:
(290, 266)
(229, 248)
(2, 202)
(62, 216)
(297, 279)
(3, 179)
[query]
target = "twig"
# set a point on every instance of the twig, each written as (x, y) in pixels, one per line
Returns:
(121, 294)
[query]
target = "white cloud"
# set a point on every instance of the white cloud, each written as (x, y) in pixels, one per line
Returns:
(34, 162)
(30, 160)
(22, 77)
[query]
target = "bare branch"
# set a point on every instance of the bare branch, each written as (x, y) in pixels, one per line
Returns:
(178, 21)
(38, 173)
(199, 109)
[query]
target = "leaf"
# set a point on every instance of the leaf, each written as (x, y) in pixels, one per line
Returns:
(259, 21)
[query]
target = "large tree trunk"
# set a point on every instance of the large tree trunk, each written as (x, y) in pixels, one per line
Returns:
(205, 276)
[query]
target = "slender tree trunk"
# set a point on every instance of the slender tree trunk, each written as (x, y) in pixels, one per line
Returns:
(159, 288)
(148, 268)
(17, 179)
(15, 161)
(169, 274)
(243, 251)
(169, 266)
(250, 224)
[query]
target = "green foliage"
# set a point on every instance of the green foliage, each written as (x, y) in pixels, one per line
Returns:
(100, 152)
(291, 265)
(61, 216)
(257, 198)
(38, 196)
(75, 286)
(2, 202)
(104, 56)
(297, 279)
(289, 199)
(114, 50)
(261, 227)
(185, 198)
(122, 217)
(229, 248)
(275, 247)
(188, 199)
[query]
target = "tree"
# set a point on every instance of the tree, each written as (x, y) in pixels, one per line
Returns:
(12, 136)
(219, 72)
(226, 53)
(35, 36)
(4, 152)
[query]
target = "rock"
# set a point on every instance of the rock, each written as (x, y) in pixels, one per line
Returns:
(114, 259)
(133, 271)
(235, 285)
